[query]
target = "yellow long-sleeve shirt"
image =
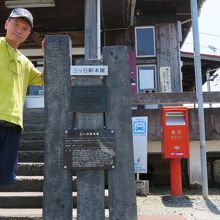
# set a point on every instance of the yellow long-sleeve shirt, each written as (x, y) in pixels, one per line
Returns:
(16, 74)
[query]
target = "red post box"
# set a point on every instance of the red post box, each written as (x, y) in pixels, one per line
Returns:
(175, 142)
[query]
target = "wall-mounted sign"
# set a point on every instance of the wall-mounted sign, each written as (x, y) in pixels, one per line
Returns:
(89, 149)
(165, 79)
(139, 130)
(89, 99)
(89, 70)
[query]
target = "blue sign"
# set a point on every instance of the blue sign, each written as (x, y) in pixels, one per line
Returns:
(139, 127)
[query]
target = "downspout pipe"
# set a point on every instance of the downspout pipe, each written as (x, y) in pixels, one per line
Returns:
(133, 5)
(98, 30)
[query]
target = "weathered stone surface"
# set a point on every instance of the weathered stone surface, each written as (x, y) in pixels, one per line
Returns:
(122, 189)
(57, 201)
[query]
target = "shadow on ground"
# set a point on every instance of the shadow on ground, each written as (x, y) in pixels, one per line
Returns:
(212, 207)
(182, 201)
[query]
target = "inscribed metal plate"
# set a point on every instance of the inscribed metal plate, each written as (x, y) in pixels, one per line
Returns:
(89, 99)
(86, 149)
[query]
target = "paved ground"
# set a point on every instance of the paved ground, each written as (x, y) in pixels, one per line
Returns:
(159, 205)
(159, 217)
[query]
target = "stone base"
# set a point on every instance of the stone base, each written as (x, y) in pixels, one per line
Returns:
(142, 187)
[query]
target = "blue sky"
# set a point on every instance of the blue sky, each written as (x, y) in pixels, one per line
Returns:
(209, 35)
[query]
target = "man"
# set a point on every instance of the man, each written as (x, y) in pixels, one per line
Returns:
(16, 74)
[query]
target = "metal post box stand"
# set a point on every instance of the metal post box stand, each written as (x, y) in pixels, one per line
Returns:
(175, 177)
(175, 142)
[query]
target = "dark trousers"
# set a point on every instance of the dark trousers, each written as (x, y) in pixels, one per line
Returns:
(9, 143)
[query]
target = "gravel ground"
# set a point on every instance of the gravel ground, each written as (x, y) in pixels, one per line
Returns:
(191, 205)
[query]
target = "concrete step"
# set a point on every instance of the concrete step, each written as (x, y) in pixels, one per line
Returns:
(33, 169)
(21, 199)
(34, 135)
(34, 116)
(31, 145)
(31, 156)
(21, 214)
(30, 184)
(30, 200)
(30, 169)
(32, 214)
(34, 112)
(34, 120)
(33, 127)
(25, 183)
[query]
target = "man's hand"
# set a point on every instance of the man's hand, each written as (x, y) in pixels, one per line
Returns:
(43, 44)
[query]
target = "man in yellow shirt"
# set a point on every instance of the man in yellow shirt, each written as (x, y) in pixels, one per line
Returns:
(16, 74)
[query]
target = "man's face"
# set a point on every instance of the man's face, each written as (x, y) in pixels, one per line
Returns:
(17, 30)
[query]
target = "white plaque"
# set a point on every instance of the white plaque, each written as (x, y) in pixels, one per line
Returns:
(165, 79)
(89, 70)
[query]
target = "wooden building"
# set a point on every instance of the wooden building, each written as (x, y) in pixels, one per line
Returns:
(154, 31)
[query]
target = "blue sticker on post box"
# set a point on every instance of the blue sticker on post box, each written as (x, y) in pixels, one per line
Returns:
(139, 127)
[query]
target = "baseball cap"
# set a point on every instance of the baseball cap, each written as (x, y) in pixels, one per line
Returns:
(22, 13)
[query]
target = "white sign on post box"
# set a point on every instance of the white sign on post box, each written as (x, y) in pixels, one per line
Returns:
(140, 131)
(89, 70)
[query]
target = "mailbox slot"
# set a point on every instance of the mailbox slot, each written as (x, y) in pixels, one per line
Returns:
(175, 118)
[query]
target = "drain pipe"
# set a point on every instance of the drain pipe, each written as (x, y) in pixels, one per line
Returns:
(133, 4)
(98, 30)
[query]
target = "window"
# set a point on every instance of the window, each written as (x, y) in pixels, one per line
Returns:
(36, 90)
(29, 3)
(145, 41)
(146, 78)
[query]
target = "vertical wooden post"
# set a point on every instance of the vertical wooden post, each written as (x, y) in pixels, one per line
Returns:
(57, 200)
(121, 183)
(168, 45)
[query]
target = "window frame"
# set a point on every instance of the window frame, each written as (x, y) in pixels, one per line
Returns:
(154, 68)
(154, 43)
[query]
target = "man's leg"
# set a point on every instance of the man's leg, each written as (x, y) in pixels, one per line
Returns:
(9, 143)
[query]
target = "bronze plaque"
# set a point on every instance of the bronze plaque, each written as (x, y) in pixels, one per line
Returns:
(89, 149)
(89, 99)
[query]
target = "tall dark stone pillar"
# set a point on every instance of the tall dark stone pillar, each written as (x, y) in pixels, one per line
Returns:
(90, 183)
(57, 200)
(121, 181)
